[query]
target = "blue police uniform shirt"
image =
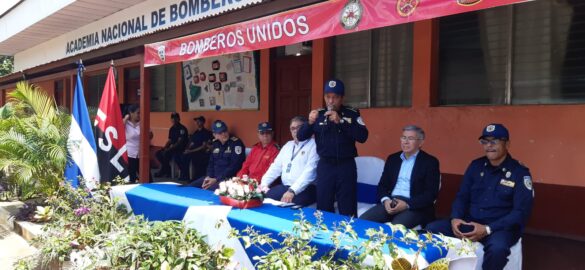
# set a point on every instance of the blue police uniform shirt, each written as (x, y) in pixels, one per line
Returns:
(402, 188)
(199, 137)
(226, 159)
(179, 131)
(500, 197)
(336, 141)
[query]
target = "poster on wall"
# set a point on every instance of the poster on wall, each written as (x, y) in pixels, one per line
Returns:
(226, 82)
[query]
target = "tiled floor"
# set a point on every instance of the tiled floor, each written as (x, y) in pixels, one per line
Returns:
(544, 253)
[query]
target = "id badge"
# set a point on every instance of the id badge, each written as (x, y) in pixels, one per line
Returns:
(288, 167)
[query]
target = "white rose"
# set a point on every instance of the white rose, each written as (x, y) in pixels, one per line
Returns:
(222, 187)
(246, 189)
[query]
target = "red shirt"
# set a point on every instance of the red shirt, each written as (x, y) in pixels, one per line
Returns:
(259, 160)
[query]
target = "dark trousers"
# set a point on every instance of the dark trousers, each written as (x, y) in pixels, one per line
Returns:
(337, 181)
(305, 198)
(164, 157)
(133, 167)
(199, 161)
(496, 246)
(199, 183)
(408, 218)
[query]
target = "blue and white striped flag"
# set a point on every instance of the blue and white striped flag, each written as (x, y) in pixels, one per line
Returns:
(81, 142)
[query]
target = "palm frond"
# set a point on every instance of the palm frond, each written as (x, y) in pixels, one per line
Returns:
(30, 96)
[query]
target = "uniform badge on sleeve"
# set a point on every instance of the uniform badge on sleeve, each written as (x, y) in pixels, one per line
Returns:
(528, 182)
(360, 121)
(238, 150)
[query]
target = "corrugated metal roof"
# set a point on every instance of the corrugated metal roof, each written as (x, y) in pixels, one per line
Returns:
(70, 17)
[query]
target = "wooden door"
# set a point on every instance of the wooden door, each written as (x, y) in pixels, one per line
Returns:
(292, 86)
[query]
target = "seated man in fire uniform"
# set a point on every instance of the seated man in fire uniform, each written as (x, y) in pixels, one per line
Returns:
(227, 156)
(174, 146)
(262, 155)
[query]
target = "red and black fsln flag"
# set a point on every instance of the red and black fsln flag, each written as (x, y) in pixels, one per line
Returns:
(111, 149)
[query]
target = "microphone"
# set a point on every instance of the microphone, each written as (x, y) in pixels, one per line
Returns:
(329, 108)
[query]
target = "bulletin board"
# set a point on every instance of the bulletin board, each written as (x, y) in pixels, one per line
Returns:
(227, 82)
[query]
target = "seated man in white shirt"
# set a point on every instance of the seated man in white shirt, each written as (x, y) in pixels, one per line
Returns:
(296, 165)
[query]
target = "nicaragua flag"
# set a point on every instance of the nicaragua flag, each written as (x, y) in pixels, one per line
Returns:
(81, 142)
(111, 133)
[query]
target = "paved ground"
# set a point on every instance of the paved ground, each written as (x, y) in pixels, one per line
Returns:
(12, 247)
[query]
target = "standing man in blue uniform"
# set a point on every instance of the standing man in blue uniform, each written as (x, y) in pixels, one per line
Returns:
(336, 129)
(493, 202)
(227, 155)
(178, 136)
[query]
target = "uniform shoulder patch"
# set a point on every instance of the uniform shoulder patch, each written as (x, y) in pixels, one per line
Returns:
(238, 150)
(234, 138)
(360, 121)
(528, 182)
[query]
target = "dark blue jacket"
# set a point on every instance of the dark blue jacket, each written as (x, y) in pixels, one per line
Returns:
(336, 141)
(500, 197)
(424, 180)
(226, 159)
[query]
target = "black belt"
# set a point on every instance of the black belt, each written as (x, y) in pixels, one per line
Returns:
(336, 160)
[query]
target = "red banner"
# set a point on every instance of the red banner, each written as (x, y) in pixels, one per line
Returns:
(111, 133)
(330, 18)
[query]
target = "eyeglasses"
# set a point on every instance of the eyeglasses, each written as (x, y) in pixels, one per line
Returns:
(412, 139)
(490, 142)
(295, 127)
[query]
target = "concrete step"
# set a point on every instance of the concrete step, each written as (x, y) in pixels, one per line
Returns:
(12, 248)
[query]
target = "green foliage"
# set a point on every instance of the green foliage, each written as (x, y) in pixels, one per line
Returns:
(6, 65)
(93, 232)
(295, 251)
(33, 142)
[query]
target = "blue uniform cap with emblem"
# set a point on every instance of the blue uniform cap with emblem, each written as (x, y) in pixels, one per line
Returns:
(264, 127)
(218, 126)
(334, 86)
(498, 131)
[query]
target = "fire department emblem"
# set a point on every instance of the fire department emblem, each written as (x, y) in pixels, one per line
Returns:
(161, 52)
(467, 2)
(351, 14)
(406, 7)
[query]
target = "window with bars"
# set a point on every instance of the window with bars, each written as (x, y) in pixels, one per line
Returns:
(375, 66)
(530, 53)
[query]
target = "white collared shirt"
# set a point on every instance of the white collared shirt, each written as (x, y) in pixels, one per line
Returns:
(303, 168)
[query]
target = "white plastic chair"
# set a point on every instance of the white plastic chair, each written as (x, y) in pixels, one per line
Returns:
(514, 259)
(369, 171)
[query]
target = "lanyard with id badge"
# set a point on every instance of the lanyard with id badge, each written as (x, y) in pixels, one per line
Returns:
(289, 166)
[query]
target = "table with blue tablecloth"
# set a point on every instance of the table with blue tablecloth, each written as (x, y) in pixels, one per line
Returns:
(202, 210)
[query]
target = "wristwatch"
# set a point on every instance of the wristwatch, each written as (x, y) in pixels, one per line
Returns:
(291, 191)
(488, 230)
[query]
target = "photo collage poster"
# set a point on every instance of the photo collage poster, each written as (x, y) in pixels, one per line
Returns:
(226, 82)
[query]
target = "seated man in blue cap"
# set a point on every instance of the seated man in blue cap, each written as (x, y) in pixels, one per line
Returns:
(196, 152)
(262, 155)
(494, 201)
(336, 128)
(227, 156)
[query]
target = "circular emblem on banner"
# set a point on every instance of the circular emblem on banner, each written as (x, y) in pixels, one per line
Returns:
(351, 15)
(252, 99)
(490, 128)
(161, 52)
(406, 7)
(467, 2)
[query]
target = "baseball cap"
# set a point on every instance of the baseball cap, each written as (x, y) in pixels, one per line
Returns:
(334, 86)
(497, 131)
(218, 126)
(200, 118)
(264, 126)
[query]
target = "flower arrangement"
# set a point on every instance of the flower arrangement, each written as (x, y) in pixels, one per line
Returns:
(240, 192)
